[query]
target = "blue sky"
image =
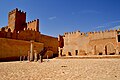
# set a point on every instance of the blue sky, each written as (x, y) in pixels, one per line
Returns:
(59, 16)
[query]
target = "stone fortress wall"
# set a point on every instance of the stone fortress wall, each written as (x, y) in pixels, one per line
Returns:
(19, 31)
(90, 43)
(34, 25)
(12, 49)
(16, 20)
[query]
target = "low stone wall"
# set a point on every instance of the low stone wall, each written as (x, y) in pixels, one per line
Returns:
(11, 49)
(90, 57)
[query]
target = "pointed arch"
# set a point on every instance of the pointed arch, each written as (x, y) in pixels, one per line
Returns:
(98, 49)
(109, 48)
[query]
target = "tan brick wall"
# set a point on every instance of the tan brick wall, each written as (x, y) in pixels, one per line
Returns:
(50, 42)
(101, 43)
(90, 43)
(33, 25)
(16, 48)
(29, 35)
(75, 41)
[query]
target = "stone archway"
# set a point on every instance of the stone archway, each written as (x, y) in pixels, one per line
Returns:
(94, 48)
(98, 50)
(109, 49)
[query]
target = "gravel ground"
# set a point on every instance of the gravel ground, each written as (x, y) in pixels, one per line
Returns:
(62, 69)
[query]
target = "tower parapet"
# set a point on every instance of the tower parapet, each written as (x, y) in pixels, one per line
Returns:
(72, 33)
(16, 10)
(34, 25)
(93, 35)
(22, 12)
(16, 20)
(13, 11)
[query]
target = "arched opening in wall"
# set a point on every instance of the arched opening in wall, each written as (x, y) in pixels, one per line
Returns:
(118, 38)
(112, 53)
(60, 52)
(109, 49)
(69, 53)
(94, 49)
(76, 52)
(100, 53)
(99, 49)
(106, 50)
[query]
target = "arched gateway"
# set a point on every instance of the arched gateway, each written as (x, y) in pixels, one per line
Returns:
(109, 49)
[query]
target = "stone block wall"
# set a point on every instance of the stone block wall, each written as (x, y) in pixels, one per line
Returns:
(50, 42)
(16, 20)
(33, 25)
(29, 35)
(11, 48)
(90, 43)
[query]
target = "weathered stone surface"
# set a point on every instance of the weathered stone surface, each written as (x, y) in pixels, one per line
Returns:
(16, 48)
(91, 43)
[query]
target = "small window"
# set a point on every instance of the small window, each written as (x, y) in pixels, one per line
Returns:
(76, 52)
(69, 53)
(118, 32)
(112, 53)
(60, 52)
(100, 53)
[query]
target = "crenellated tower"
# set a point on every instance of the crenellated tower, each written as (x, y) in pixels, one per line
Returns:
(33, 25)
(17, 20)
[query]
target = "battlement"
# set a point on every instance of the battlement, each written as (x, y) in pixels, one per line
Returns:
(22, 12)
(33, 25)
(16, 10)
(28, 29)
(71, 33)
(35, 20)
(88, 33)
(76, 33)
(13, 11)
(21, 35)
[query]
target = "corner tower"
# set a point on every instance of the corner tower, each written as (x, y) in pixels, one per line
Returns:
(17, 20)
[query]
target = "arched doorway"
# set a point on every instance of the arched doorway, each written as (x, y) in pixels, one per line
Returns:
(98, 50)
(109, 49)
(69, 54)
(76, 52)
(95, 50)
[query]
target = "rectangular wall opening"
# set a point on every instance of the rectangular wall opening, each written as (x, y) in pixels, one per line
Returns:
(76, 52)
(118, 38)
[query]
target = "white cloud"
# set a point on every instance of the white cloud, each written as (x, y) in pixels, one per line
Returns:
(112, 22)
(116, 27)
(100, 27)
(53, 17)
(109, 24)
(116, 21)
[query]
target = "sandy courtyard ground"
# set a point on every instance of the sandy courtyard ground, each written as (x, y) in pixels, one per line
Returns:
(62, 69)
